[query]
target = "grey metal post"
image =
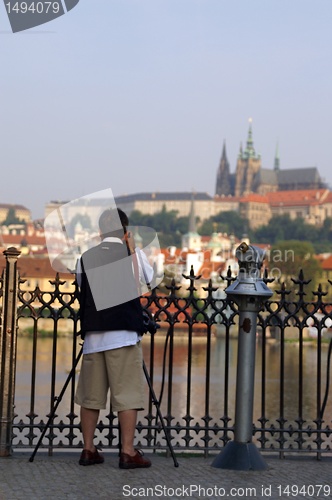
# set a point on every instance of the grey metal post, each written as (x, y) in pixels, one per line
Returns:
(248, 291)
(244, 404)
(8, 337)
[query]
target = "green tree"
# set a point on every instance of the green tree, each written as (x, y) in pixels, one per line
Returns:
(137, 218)
(166, 223)
(282, 227)
(286, 260)
(229, 222)
(324, 237)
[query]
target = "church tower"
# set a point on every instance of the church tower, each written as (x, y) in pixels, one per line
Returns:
(277, 160)
(247, 167)
(223, 186)
(192, 240)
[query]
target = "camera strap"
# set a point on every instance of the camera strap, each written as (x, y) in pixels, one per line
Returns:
(136, 270)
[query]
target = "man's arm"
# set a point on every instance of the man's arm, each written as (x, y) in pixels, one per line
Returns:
(79, 272)
(145, 269)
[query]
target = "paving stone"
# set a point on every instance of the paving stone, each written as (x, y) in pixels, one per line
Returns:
(60, 477)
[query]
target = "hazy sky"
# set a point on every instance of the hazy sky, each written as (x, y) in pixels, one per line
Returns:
(139, 95)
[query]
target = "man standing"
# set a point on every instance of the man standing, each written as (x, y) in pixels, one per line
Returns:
(112, 326)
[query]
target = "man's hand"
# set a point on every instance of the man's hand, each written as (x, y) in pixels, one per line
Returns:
(129, 238)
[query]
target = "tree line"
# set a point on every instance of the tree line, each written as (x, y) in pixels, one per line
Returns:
(170, 228)
(294, 244)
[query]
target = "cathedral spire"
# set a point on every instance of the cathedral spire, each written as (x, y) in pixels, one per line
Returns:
(240, 150)
(192, 217)
(223, 154)
(250, 151)
(248, 167)
(223, 176)
(277, 159)
(192, 240)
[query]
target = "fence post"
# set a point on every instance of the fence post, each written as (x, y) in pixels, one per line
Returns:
(8, 338)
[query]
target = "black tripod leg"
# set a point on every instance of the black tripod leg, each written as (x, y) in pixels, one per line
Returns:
(156, 403)
(58, 401)
(120, 442)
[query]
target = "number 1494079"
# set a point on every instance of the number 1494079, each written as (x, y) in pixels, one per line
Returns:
(307, 490)
(33, 7)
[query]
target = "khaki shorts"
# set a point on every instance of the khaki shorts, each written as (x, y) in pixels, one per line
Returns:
(121, 371)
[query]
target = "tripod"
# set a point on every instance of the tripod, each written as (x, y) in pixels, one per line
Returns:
(63, 390)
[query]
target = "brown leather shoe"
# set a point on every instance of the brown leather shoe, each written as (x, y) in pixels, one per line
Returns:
(135, 462)
(90, 458)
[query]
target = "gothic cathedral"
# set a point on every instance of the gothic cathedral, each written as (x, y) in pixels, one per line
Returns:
(250, 177)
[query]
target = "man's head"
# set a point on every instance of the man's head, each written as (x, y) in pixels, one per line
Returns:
(113, 222)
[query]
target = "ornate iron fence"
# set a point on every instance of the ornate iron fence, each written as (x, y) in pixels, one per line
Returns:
(292, 407)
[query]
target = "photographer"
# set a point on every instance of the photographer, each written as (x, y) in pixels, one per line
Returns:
(112, 325)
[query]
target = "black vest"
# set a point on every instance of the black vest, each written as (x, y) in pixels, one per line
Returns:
(96, 278)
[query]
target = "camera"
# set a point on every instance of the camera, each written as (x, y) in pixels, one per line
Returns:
(150, 326)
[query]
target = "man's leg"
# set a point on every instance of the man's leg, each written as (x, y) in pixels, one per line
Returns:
(89, 420)
(130, 458)
(127, 420)
(125, 375)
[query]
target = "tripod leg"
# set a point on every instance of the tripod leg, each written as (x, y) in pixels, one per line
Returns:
(156, 403)
(120, 441)
(58, 401)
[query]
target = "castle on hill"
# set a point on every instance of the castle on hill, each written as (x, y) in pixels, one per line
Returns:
(251, 177)
(255, 192)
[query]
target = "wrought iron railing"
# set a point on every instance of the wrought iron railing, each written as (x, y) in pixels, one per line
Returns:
(293, 409)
